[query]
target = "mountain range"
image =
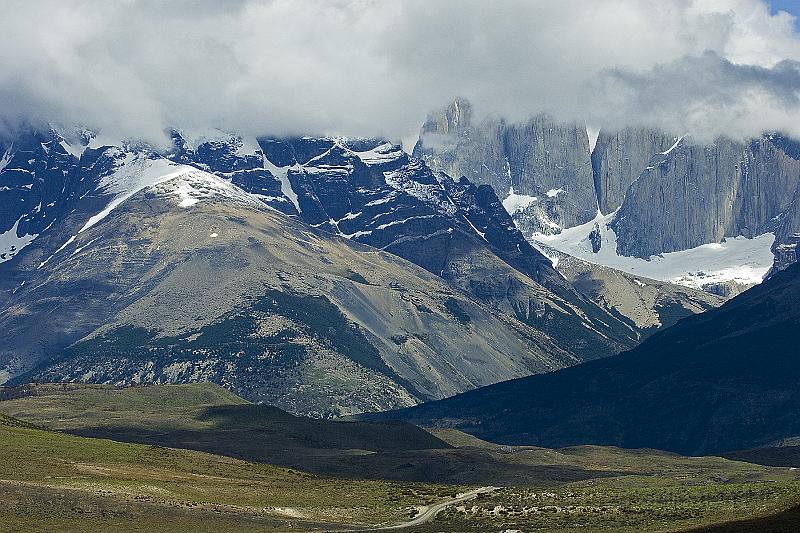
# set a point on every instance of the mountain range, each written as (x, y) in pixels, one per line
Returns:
(327, 276)
(715, 216)
(271, 267)
(331, 277)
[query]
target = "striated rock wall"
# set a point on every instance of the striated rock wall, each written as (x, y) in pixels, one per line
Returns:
(540, 158)
(697, 194)
(617, 160)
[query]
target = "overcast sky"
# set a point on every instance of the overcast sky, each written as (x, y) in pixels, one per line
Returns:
(363, 67)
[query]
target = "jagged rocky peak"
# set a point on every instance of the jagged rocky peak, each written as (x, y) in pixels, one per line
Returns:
(454, 118)
(370, 191)
(43, 176)
(540, 166)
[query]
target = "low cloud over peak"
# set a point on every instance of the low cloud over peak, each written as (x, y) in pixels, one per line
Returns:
(365, 67)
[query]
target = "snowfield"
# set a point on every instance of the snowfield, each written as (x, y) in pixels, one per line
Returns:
(739, 259)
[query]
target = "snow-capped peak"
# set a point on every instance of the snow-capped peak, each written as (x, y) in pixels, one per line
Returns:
(134, 172)
(193, 186)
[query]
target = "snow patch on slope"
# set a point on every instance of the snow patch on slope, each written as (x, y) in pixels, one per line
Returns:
(677, 142)
(383, 153)
(517, 202)
(739, 259)
(11, 243)
(282, 173)
(6, 158)
(593, 134)
(193, 138)
(76, 151)
(69, 241)
(100, 139)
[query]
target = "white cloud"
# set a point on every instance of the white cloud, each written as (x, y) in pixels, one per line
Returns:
(366, 67)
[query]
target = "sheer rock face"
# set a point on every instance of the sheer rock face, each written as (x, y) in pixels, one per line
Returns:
(669, 193)
(618, 159)
(697, 194)
(534, 158)
(787, 235)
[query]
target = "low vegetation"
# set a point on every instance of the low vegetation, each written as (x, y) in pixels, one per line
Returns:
(155, 475)
(55, 482)
(627, 504)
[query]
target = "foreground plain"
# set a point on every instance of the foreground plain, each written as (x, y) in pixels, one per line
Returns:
(50, 480)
